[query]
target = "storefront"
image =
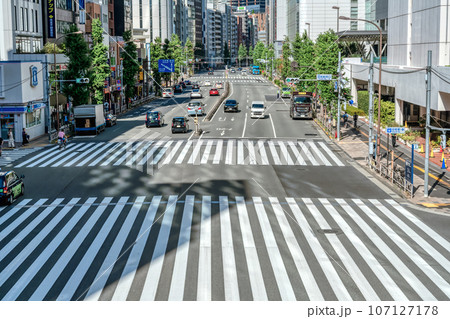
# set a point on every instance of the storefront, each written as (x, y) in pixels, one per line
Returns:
(16, 118)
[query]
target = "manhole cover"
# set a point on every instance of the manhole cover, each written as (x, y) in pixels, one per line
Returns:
(270, 97)
(311, 134)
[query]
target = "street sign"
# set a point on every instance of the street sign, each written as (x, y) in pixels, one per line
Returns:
(166, 65)
(324, 77)
(335, 86)
(408, 172)
(395, 130)
(351, 102)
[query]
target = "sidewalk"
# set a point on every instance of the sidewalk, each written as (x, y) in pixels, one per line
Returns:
(353, 144)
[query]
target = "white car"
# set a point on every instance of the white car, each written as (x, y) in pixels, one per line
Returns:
(167, 92)
(219, 85)
(194, 108)
(257, 109)
(196, 94)
(207, 83)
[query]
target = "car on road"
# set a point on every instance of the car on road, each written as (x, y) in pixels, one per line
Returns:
(11, 186)
(196, 108)
(178, 89)
(231, 105)
(244, 72)
(182, 84)
(210, 73)
(207, 83)
(154, 118)
(195, 86)
(286, 92)
(239, 69)
(180, 124)
(233, 71)
(219, 85)
(167, 92)
(187, 82)
(196, 94)
(111, 120)
(213, 92)
(257, 110)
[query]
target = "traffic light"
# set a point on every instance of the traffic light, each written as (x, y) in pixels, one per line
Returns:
(82, 80)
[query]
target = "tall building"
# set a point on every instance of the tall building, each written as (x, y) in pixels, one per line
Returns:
(122, 16)
(234, 4)
(152, 19)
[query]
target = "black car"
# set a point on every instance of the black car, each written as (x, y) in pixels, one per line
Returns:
(195, 86)
(210, 73)
(177, 89)
(11, 186)
(231, 105)
(179, 124)
(154, 118)
(111, 120)
(183, 84)
(187, 82)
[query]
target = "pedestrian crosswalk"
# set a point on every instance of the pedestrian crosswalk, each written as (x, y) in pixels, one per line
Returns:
(241, 79)
(198, 152)
(10, 155)
(219, 248)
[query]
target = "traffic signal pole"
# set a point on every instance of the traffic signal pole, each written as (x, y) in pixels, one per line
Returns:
(371, 106)
(427, 126)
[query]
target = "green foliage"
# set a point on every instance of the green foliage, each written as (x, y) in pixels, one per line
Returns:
(387, 111)
(78, 67)
(326, 62)
(100, 67)
(50, 47)
(363, 101)
(242, 53)
(303, 53)
(130, 65)
(157, 53)
(351, 110)
(189, 50)
(176, 53)
(226, 54)
(286, 52)
(167, 55)
(258, 53)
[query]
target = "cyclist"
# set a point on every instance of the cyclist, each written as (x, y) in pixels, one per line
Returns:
(62, 138)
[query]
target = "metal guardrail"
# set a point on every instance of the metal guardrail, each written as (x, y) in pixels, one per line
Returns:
(396, 175)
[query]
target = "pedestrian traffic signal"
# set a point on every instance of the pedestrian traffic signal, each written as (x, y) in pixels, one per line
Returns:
(82, 80)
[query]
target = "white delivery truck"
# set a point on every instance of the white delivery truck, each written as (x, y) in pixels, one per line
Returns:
(257, 109)
(89, 119)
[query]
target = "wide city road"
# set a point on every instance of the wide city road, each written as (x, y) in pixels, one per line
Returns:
(252, 209)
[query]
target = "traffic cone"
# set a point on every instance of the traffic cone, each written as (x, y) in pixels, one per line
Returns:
(442, 158)
(421, 149)
(443, 164)
(335, 134)
(406, 124)
(431, 153)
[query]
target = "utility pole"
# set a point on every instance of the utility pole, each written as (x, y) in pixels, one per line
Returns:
(371, 106)
(339, 99)
(427, 127)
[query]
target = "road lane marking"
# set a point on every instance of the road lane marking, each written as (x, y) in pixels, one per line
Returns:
(149, 154)
(230, 277)
(308, 153)
(195, 152)
(115, 154)
(229, 154)
(183, 152)
(207, 152)
(138, 154)
(172, 153)
(251, 152)
(240, 153)
(319, 153)
(127, 153)
(331, 154)
(299, 158)
(285, 153)
(204, 259)
(245, 124)
(274, 153)
(279, 270)
(218, 154)
(161, 153)
(262, 152)
(307, 277)
(156, 264)
(273, 126)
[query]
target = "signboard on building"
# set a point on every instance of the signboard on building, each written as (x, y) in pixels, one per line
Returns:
(33, 76)
(324, 77)
(51, 18)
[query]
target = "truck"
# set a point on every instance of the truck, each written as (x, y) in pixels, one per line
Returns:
(257, 110)
(89, 119)
(301, 105)
(255, 69)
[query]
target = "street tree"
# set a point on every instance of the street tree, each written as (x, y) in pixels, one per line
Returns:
(167, 53)
(303, 54)
(157, 53)
(242, 53)
(130, 65)
(226, 54)
(188, 52)
(100, 67)
(258, 52)
(176, 53)
(250, 54)
(286, 53)
(79, 66)
(326, 52)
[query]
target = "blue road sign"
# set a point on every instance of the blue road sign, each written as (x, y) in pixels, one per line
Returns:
(395, 130)
(324, 77)
(166, 65)
(350, 102)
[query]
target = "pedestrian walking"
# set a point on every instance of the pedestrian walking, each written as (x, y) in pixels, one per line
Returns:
(25, 137)
(394, 140)
(345, 117)
(278, 94)
(355, 120)
(11, 139)
(1, 145)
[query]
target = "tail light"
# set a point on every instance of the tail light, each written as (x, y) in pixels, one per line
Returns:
(173, 124)
(5, 189)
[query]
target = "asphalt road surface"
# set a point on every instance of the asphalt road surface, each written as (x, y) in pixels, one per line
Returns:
(263, 209)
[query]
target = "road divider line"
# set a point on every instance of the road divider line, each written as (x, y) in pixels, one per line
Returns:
(245, 124)
(273, 126)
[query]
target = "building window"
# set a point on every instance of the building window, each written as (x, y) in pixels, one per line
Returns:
(110, 15)
(15, 17)
(34, 118)
(62, 26)
(37, 21)
(23, 19)
(32, 20)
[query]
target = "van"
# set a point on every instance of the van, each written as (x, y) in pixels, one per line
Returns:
(257, 109)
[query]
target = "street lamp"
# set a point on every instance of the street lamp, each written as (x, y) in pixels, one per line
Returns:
(56, 77)
(309, 29)
(379, 78)
(337, 8)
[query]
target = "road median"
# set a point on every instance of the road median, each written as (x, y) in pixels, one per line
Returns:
(218, 103)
